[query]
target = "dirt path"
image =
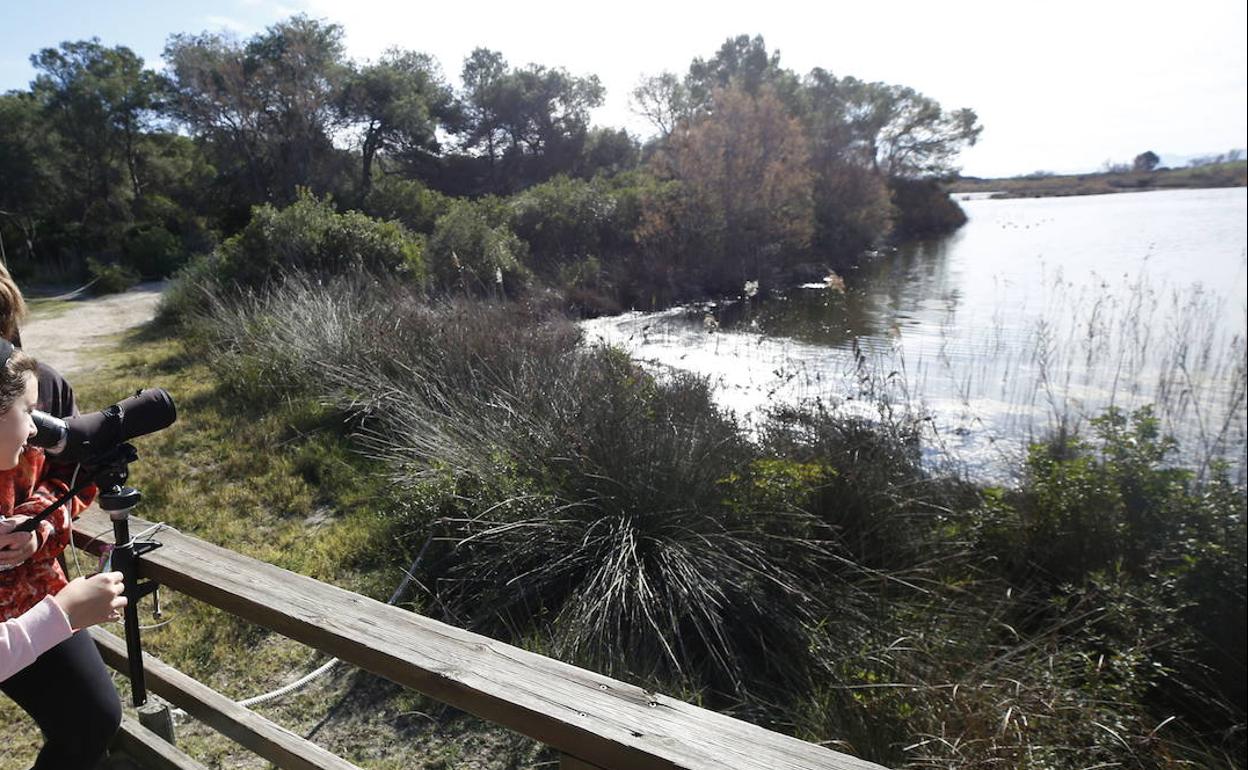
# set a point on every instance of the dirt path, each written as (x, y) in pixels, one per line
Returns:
(67, 338)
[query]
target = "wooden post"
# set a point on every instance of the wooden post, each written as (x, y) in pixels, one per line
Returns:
(156, 716)
(147, 750)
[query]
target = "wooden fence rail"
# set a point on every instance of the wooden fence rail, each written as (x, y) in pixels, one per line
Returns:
(245, 727)
(593, 720)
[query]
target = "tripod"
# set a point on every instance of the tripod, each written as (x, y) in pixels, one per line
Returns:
(110, 471)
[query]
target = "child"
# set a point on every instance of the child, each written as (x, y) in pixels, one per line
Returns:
(84, 602)
(67, 689)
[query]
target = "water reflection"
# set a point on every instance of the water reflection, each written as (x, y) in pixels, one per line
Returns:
(900, 288)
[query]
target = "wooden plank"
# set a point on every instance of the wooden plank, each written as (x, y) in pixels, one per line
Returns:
(569, 762)
(245, 727)
(597, 719)
(149, 750)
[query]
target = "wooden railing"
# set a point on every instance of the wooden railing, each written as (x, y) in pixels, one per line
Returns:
(592, 720)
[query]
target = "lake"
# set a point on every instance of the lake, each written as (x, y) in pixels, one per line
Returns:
(1038, 312)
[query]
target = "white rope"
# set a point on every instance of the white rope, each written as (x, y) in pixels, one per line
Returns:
(74, 294)
(295, 685)
(309, 678)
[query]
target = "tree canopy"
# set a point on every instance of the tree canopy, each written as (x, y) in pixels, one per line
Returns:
(529, 123)
(753, 171)
(397, 105)
(1146, 161)
(267, 107)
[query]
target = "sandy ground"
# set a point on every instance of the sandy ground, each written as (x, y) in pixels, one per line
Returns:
(67, 338)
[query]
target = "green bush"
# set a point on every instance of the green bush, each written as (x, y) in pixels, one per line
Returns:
(923, 209)
(853, 211)
(471, 253)
(1110, 511)
(564, 221)
(191, 291)
(153, 251)
(1088, 506)
(309, 236)
(110, 277)
(407, 201)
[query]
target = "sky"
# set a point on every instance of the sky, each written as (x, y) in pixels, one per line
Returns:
(1058, 85)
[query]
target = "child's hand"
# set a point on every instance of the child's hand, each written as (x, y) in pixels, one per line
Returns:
(15, 547)
(97, 599)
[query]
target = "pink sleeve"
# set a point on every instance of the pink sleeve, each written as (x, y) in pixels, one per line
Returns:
(31, 634)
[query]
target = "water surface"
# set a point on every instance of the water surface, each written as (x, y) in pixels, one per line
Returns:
(1037, 312)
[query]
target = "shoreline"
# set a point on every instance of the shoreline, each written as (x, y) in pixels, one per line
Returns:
(1046, 186)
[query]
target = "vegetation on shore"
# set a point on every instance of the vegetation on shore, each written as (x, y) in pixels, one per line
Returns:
(1040, 185)
(813, 576)
(587, 510)
(756, 173)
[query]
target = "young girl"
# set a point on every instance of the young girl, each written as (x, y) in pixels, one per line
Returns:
(84, 602)
(67, 689)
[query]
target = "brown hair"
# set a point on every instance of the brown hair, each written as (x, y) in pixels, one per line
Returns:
(12, 305)
(13, 378)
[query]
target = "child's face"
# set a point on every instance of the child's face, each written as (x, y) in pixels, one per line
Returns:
(16, 426)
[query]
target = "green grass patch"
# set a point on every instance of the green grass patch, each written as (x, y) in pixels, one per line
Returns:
(277, 482)
(50, 307)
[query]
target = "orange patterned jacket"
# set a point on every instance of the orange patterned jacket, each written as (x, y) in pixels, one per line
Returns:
(25, 491)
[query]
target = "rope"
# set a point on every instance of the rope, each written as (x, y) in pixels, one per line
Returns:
(298, 684)
(73, 294)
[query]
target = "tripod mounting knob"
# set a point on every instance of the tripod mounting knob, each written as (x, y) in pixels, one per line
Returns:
(120, 499)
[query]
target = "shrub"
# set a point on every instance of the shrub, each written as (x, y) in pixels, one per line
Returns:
(309, 236)
(563, 221)
(469, 253)
(110, 277)
(153, 251)
(1088, 506)
(407, 201)
(1110, 512)
(607, 152)
(852, 212)
(923, 209)
(191, 290)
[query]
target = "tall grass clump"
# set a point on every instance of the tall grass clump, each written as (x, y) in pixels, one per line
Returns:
(607, 516)
(875, 494)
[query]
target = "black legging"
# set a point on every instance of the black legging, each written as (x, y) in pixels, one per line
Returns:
(72, 699)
